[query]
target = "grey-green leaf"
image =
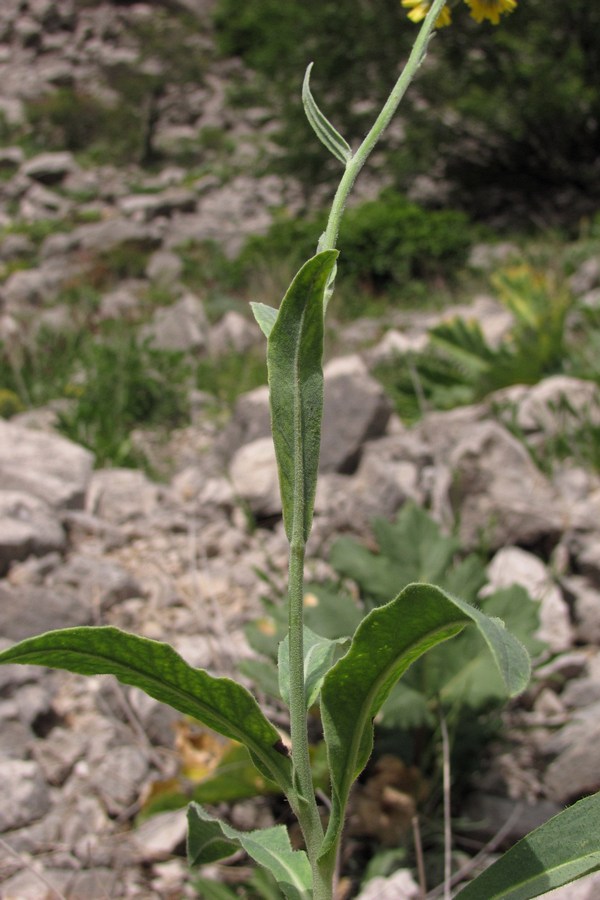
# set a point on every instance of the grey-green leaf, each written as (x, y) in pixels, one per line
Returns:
(294, 362)
(319, 656)
(157, 669)
(386, 642)
(327, 134)
(265, 316)
(210, 840)
(563, 849)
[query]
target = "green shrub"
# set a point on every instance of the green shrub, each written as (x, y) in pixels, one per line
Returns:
(387, 243)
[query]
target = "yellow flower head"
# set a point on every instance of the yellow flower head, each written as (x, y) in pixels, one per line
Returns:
(490, 9)
(420, 8)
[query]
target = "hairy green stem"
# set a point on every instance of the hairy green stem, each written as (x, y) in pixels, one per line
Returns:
(355, 164)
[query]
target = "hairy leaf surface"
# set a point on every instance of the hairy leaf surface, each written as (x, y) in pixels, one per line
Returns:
(157, 669)
(563, 849)
(388, 640)
(294, 361)
(210, 840)
(327, 134)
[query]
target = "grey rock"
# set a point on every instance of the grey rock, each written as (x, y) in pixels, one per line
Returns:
(442, 431)
(49, 168)
(97, 882)
(182, 326)
(393, 344)
(491, 812)
(15, 245)
(233, 333)
(122, 302)
(58, 752)
(117, 778)
(576, 769)
(356, 409)
(30, 611)
(47, 466)
(27, 885)
(103, 582)
(27, 526)
(586, 277)
(24, 792)
(253, 473)
(488, 256)
(586, 599)
(512, 565)
(558, 404)
(164, 268)
(148, 206)
(159, 836)
(399, 886)
(123, 495)
(14, 735)
(31, 287)
(497, 492)
(101, 237)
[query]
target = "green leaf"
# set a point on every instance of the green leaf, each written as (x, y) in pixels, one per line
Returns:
(157, 669)
(214, 890)
(294, 362)
(265, 316)
(563, 849)
(387, 641)
(319, 656)
(210, 840)
(322, 127)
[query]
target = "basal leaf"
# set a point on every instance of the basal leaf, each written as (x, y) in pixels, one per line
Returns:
(563, 849)
(327, 134)
(319, 656)
(294, 362)
(387, 641)
(265, 316)
(210, 840)
(157, 669)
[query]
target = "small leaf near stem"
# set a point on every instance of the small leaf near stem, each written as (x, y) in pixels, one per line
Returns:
(157, 669)
(327, 134)
(386, 643)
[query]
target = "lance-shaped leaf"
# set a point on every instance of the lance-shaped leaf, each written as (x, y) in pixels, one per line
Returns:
(294, 362)
(319, 656)
(157, 669)
(386, 642)
(265, 316)
(210, 840)
(565, 848)
(322, 127)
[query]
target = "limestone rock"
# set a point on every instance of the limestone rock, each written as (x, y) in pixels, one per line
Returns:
(233, 332)
(27, 526)
(253, 473)
(558, 404)
(182, 326)
(29, 611)
(49, 168)
(47, 466)
(356, 410)
(498, 494)
(511, 565)
(25, 795)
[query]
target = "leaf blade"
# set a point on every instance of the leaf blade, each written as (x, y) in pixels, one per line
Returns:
(210, 840)
(319, 656)
(386, 643)
(327, 134)
(265, 316)
(156, 668)
(565, 848)
(294, 364)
